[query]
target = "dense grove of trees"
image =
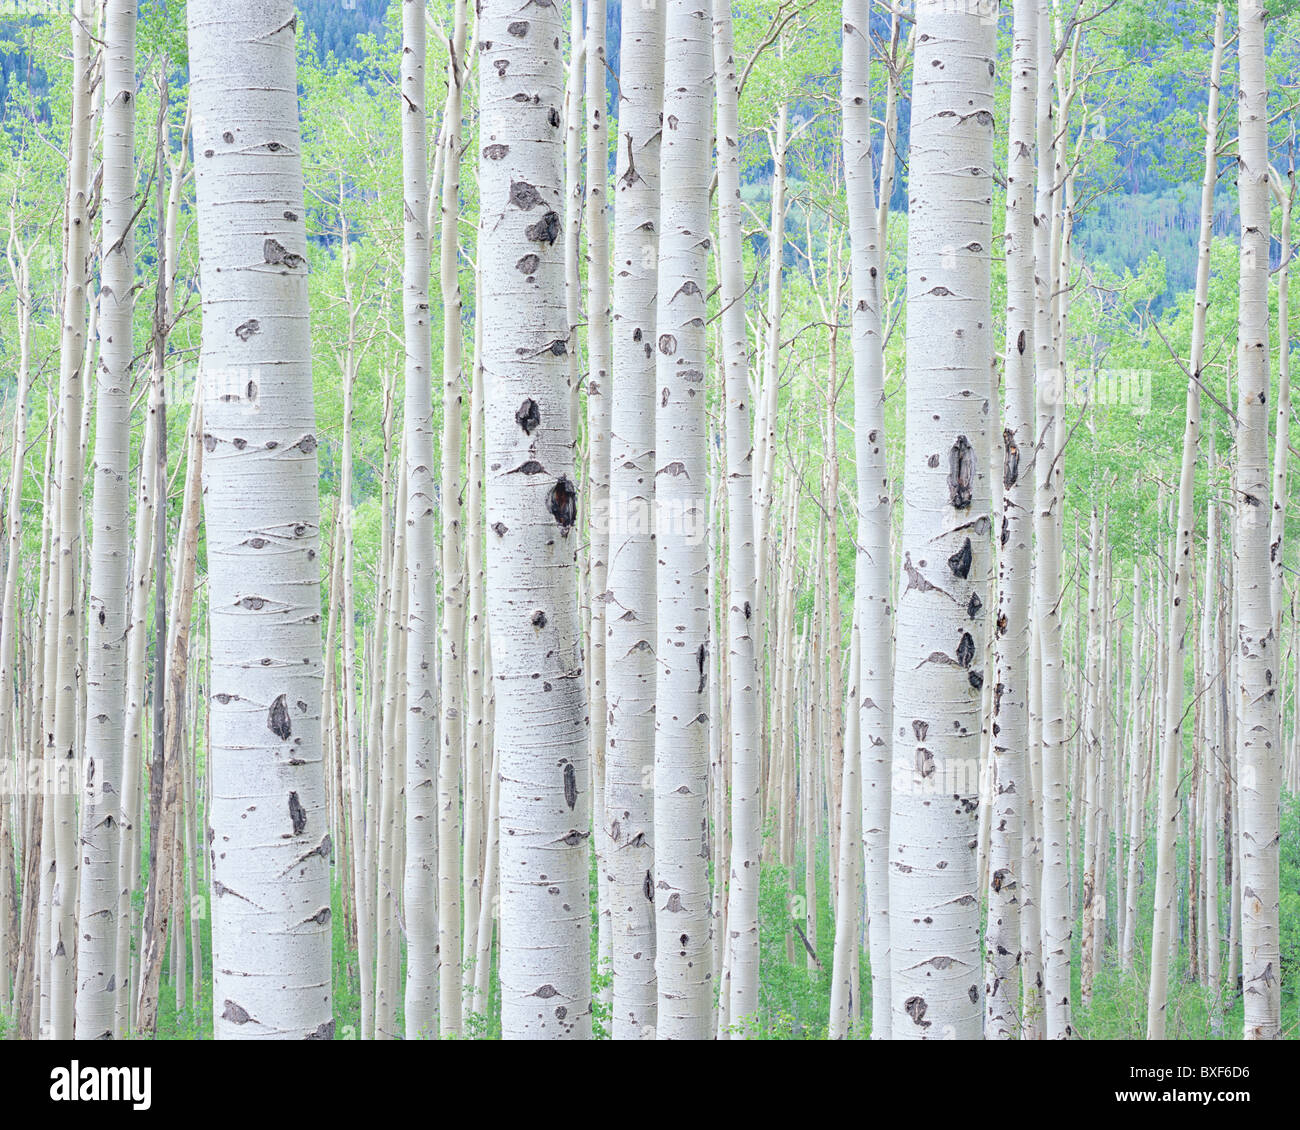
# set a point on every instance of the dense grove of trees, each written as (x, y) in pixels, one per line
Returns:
(768, 520)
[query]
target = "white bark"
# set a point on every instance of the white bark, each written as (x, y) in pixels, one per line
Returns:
(1057, 916)
(933, 887)
(1011, 784)
(106, 653)
(872, 576)
(453, 568)
(420, 875)
(270, 844)
(745, 687)
(598, 444)
(630, 601)
(532, 514)
(64, 743)
(681, 511)
(1259, 762)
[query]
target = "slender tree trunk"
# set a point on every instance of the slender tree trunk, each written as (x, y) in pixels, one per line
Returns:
(453, 569)
(64, 745)
(165, 770)
(1010, 784)
(419, 880)
(745, 688)
(872, 581)
(1057, 915)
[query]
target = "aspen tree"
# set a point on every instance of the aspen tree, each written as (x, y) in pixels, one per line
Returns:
(745, 688)
(872, 581)
(934, 910)
(1284, 192)
(770, 379)
(19, 259)
(453, 567)
(352, 749)
(420, 878)
(844, 982)
(631, 633)
(1258, 749)
(1136, 778)
(1010, 738)
(681, 512)
(478, 758)
(532, 514)
(1090, 755)
(63, 743)
(1057, 917)
(598, 440)
(106, 652)
(270, 871)
(162, 908)
(1213, 749)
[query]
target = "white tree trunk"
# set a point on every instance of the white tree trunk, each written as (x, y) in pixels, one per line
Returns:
(598, 443)
(545, 961)
(1057, 915)
(64, 744)
(270, 842)
(1259, 762)
(933, 888)
(745, 687)
(106, 653)
(631, 636)
(872, 575)
(419, 882)
(681, 513)
(453, 567)
(1011, 785)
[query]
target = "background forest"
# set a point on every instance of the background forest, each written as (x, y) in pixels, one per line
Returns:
(1129, 90)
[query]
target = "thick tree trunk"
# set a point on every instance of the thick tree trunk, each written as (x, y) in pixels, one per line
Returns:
(1259, 762)
(532, 515)
(270, 873)
(933, 886)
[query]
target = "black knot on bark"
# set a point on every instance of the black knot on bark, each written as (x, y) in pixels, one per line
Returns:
(563, 503)
(546, 230)
(528, 416)
(278, 719)
(570, 785)
(524, 195)
(960, 561)
(961, 473)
